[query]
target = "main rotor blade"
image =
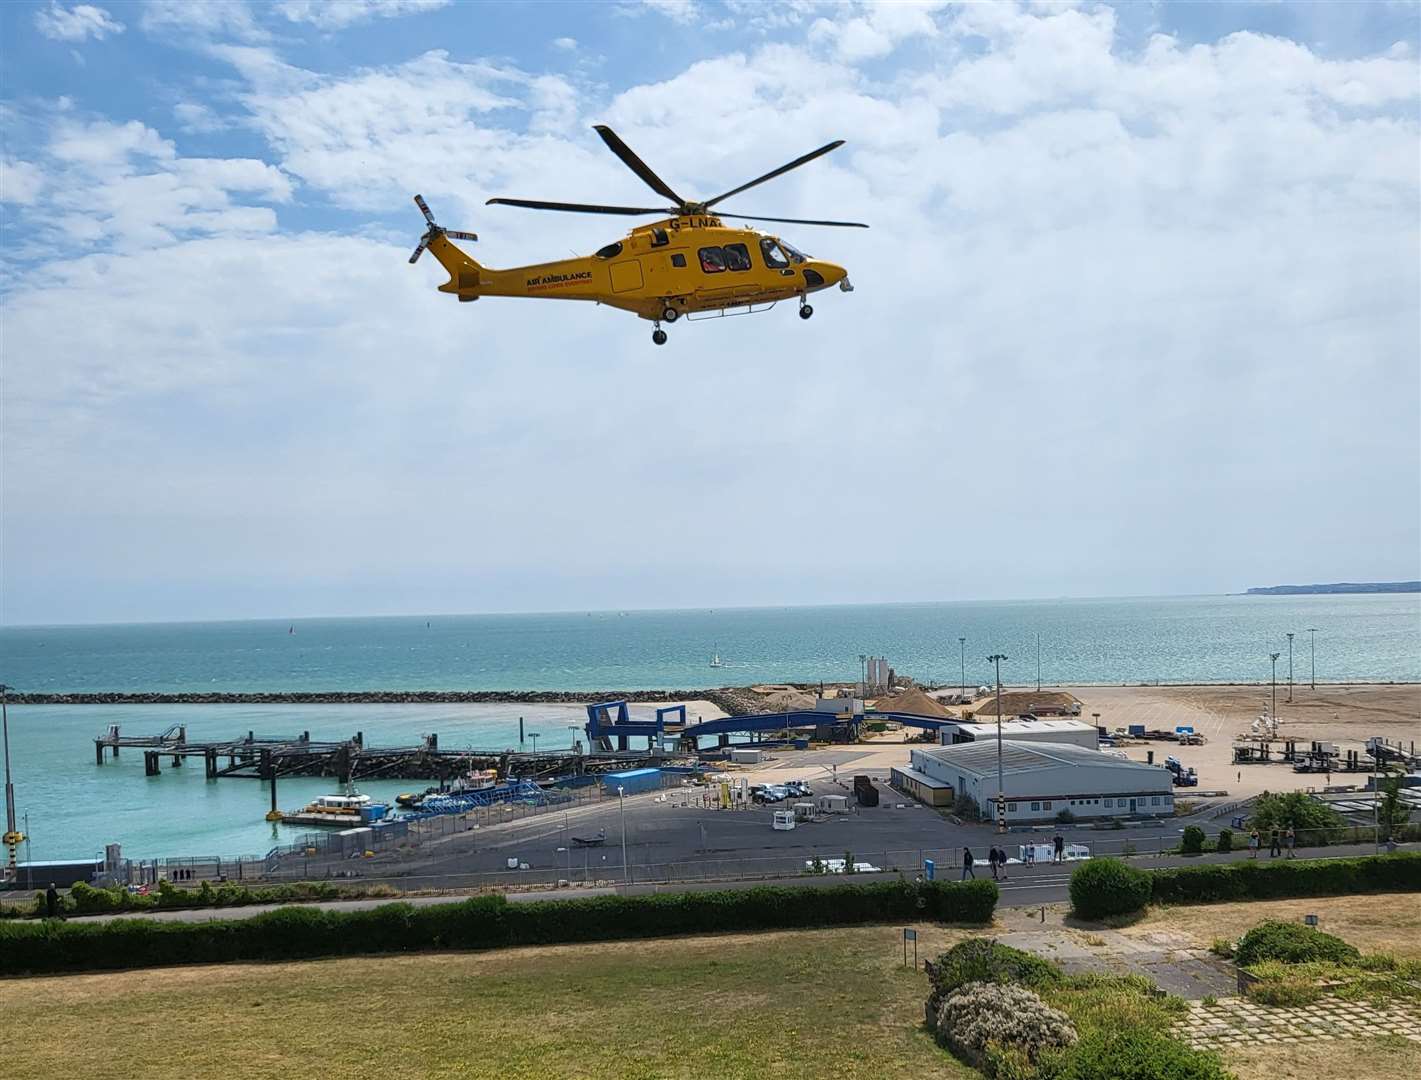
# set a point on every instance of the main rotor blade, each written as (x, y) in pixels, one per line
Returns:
(796, 163)
(581, 208)
(424, 208)
(635, 164)
(792, 220)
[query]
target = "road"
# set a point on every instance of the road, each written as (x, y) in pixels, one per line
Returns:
(1024, 887)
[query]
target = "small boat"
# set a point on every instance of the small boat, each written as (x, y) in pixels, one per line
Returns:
(342, 811)
(716, 661)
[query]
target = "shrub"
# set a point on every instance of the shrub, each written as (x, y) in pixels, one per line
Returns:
(965, 808)
(479, 923)
(983, 1017)
(1226, 840)
(1137, 1053)
(982, 960)
(1101, 887)
(1249, 880)
(1065, 817)
(1193, 843)
(1292, 943)
(1313, 821)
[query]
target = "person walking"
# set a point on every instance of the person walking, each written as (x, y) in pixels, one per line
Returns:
(1060, 842)
(1274, 846)
(967, 864)
(1030, 852)
(1253, 844)
(993, 861)
(1292, 839)
(51, 902)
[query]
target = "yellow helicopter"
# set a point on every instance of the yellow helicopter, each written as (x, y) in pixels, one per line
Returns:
(690, 263)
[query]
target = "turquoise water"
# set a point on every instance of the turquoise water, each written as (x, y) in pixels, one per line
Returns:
(76, 807)
(1178, 639)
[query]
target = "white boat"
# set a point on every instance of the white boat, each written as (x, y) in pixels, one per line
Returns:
(716, 661)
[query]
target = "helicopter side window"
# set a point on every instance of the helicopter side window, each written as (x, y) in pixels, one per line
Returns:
(659, 238)
(678, 259)
(737, 257)
(712, 260)
(771, 251)
(611, 251)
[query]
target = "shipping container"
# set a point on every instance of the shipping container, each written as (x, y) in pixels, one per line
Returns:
(633, 781)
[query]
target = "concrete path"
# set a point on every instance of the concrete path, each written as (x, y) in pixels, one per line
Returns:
(1232, 1022)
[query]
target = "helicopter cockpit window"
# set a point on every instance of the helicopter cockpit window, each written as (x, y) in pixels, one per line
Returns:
(712, 260)
(611, 251)
(659, 238)
(737, 257)
(794, 253)
(771, 251)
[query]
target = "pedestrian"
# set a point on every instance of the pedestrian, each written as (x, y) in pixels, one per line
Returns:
(1030, 852)
(1253, 844)
(51, 902)
(1292, 838)
(992, 859)
(1240, 776)
(1060, 842)
(1274, 846)
(967, 861)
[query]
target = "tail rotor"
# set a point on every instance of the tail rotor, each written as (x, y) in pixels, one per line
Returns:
(434, 230)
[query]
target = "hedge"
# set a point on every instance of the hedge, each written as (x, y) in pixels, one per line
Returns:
(1292, 943)
(1275, 880)
(1101, 887)
(488, 922)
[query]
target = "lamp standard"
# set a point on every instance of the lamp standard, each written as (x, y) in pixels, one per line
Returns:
(12, 836)
(622, 805)
(863, 676)
(574, 729)
(1038, 663)
(962, 648)
(1290, 668)
(1273, 709)
(997, 658)
(534, 736)
(1312, 642)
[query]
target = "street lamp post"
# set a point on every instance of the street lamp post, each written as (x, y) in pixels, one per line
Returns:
(622, 805)
(863, 675)
(12, 836)
(962, 648)
(1312, 643)
(1273, 709)
(574, 729)
(534, 736)
(1290, 668)
(997, 658)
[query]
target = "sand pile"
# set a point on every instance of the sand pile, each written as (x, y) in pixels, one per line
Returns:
(913, 702)
(1039, 702)
(787, 701)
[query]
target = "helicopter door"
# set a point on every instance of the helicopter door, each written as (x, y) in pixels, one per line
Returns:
(626, 275)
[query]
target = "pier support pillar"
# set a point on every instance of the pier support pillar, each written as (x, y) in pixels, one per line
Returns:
(98, 752)
(210, 760)
(342, 764)
(150, 763)
(177, 760)
(115, 750)
(264, 767)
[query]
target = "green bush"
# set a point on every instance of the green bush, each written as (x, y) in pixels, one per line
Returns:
(1193, 843)
(1292, 943)
(1226, 840)
(1137, 1053)
(981, 960)
(1249, 880)
(480, 923)
(1313, 822)
(981, 1020)
(1101, 887)
(1066, 816)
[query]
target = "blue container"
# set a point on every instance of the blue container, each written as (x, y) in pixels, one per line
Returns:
(1137, 729)
(633, 781)
(373, 812)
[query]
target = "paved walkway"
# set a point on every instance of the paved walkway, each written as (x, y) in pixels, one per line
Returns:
(1231, 1022)
(1172, 963)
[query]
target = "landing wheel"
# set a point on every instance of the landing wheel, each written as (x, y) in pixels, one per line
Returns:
(659, 336)
(670, 315)
(805, 311)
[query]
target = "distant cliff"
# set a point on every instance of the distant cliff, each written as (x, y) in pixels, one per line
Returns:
(1339, 587)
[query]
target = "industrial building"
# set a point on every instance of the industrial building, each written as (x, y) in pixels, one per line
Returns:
(1070, 732)
(1043, 778)
(926, 789)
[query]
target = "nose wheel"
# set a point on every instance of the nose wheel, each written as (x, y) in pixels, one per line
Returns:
(659, 336)
(805, 311)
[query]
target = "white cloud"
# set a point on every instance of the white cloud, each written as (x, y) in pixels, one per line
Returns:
(338, 14)
(681, 11)
(201, 20)
(567, 44)
(878, 27)
(77, 23)
(20, 182)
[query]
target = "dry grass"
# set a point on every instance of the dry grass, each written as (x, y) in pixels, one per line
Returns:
(1379, 922)
(834, 1003)
(1387, 1058)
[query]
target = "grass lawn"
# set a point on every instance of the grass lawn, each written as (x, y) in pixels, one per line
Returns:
(1390, 1057)
(811, 1004)
(1377, 922)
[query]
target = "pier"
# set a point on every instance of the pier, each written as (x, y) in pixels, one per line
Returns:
(263, 757)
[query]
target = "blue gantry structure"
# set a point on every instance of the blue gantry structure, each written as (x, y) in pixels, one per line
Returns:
(611, 727)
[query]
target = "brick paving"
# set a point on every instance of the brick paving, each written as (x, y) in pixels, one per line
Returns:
(1239, 1022)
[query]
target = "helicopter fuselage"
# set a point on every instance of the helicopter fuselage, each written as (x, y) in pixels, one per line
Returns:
(685, 264)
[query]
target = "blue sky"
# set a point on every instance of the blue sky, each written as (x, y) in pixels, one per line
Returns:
(1138, 312)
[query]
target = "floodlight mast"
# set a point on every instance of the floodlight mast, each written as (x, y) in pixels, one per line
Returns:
(997, 658)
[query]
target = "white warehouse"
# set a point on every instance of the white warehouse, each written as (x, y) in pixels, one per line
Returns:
(1070, 732)
(1043, 778)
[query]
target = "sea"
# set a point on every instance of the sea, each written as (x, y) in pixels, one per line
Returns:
(75, 807)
